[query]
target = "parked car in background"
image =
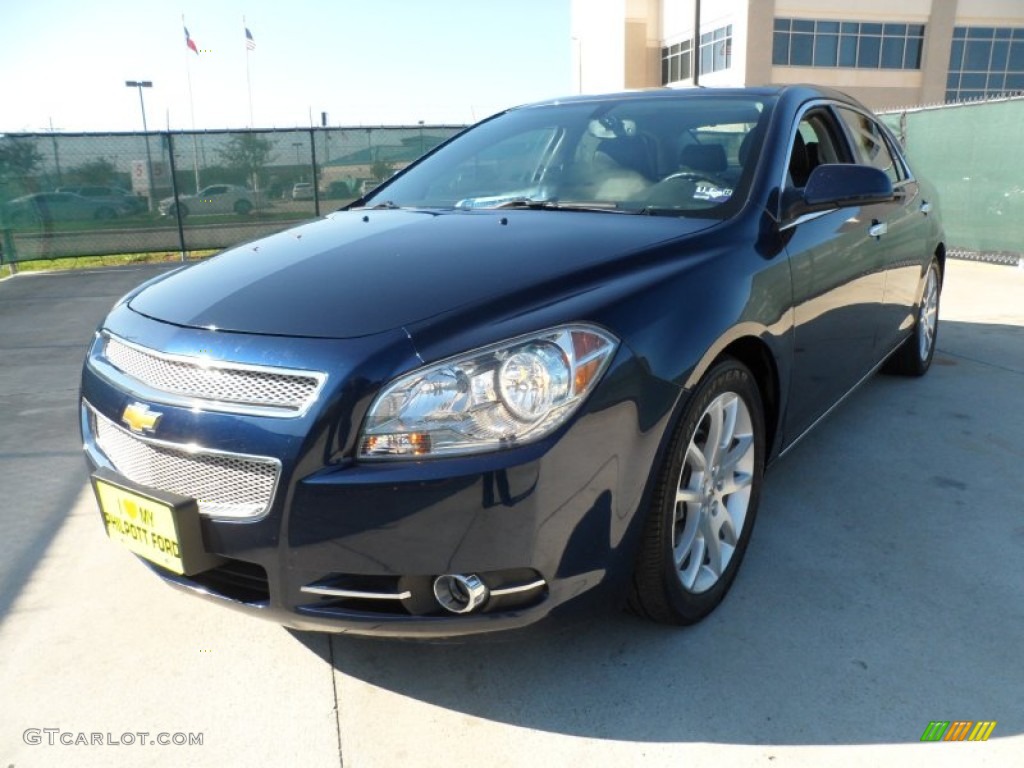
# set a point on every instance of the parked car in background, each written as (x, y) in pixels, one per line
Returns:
(338, 190)
(216, 198)
(116, 196)
(538, 372)
(48, 207)
(303, 190)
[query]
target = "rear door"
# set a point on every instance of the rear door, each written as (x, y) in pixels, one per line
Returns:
(905, 234)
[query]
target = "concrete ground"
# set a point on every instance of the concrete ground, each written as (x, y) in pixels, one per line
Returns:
(883, 589)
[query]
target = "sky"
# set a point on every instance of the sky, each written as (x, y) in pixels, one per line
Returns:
(364, 62)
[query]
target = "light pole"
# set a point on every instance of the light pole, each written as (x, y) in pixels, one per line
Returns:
(421, 138)
(579, 63)
(140, 84)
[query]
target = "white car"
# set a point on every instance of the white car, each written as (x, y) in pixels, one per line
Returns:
(216, 198)
(302, 191)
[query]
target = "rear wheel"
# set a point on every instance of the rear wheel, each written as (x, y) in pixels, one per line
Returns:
(243, 207)
(705, 501)
(914, 356)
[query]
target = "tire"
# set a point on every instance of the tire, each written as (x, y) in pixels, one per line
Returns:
(178, 209)
(679, 579)
(914, 356)
(243, 207)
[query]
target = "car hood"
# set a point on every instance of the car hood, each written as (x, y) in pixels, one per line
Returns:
(357, 273)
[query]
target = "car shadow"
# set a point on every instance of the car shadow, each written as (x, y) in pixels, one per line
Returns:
(881, 591)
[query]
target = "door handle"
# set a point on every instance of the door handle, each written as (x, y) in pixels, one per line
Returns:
(878, 228)
(926, 207)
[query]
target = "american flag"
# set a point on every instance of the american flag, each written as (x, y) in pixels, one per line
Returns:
(250, 44)
(189, 42)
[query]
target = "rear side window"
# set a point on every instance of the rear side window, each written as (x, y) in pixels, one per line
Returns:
(869, 144)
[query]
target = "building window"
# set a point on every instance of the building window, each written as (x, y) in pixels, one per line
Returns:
(676, 62)
(716, 50)
(985, 62)
(715, 55)
(851, 44)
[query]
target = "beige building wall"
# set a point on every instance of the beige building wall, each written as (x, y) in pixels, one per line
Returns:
(599, 45)
(619, 42)
(643, 43)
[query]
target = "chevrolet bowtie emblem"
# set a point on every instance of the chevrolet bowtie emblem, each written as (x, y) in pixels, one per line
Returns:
(140, 419)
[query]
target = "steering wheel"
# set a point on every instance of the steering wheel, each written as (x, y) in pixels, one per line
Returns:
(680, 190)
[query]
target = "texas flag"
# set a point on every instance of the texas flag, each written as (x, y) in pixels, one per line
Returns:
(189, 42)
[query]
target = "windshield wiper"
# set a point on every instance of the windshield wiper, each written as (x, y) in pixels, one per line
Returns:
(655, 210)
(387, 205)
(556, 205)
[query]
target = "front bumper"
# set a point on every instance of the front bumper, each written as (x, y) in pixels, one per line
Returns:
(355, 547)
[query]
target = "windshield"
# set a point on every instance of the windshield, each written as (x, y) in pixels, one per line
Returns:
(692, 155)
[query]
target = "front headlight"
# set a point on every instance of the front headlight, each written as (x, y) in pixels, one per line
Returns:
(503, 395)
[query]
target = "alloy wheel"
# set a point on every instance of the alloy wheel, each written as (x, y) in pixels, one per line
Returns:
(929, 315)
(713, 493)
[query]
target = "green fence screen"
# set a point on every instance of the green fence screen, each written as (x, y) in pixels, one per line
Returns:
(974, 154)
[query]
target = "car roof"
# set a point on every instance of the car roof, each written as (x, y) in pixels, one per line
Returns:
(799, 93)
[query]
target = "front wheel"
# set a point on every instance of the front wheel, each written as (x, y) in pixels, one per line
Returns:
(705, 501)
(914, 356)
(243, 207)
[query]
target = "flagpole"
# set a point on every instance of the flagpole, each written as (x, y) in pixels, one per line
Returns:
(192, 110)
(248, 79)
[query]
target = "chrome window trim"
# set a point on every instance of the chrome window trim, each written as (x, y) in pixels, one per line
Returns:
(142, 391)
(804, 218)
(92, 447)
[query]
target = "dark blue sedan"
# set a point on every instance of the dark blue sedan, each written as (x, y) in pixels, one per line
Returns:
(540, 370)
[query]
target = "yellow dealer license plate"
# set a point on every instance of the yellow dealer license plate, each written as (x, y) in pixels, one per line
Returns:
(161, 527)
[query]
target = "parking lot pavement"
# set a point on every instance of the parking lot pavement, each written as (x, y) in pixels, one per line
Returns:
(883, 589)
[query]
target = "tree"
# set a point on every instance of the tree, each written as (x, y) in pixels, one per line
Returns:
(249, 154)
(381, 169)
(99, 171)
(18, 158)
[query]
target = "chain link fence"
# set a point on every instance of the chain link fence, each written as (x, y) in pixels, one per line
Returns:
(99, 194)
(972, 153)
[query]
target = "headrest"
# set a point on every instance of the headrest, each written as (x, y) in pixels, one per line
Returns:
(709, 158)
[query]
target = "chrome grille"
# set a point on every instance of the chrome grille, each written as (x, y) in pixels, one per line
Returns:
(225, 485)
(237, 386)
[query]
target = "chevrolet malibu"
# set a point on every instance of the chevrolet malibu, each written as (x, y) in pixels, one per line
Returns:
(540, 370)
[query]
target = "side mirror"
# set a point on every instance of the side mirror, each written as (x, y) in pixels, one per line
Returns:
(840, 185)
